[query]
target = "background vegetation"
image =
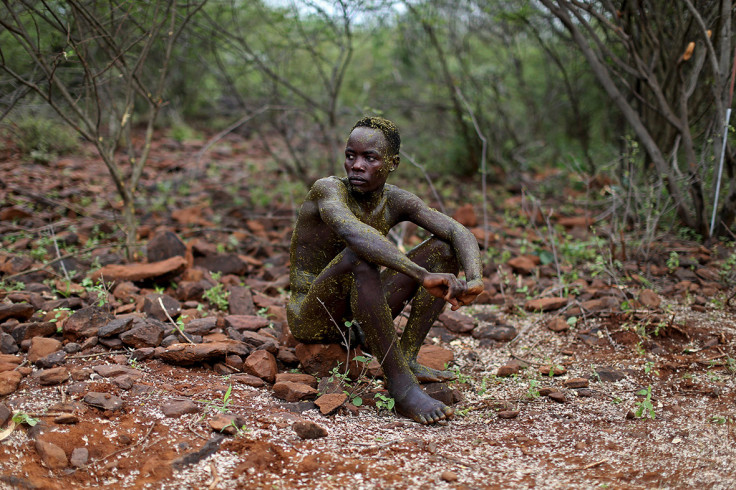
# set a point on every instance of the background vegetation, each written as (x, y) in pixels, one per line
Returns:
(628, 96)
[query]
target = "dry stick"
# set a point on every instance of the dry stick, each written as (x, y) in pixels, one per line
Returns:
(58, 254)
(426, 176)
(110, 353)
(215, 476)
(483, 157)
(177, 327)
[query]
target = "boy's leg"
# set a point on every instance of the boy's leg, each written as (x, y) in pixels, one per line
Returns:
(435, 256)
(373, 314)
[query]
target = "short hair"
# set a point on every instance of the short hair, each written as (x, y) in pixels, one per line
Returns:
(388, 128)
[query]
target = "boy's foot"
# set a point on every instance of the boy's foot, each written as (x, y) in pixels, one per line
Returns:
(426, 374)
(420, 407)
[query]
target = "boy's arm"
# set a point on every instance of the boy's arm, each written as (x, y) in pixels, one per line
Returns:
(367, 242)
(463, 242)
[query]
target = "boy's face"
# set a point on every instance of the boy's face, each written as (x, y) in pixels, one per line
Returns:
(367, 159)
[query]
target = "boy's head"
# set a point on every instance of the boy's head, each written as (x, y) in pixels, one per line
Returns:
(388, 128)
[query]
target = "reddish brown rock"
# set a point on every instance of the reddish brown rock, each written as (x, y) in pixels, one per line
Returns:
(455, 321)
(152, 307)
(465, 215)
(241, 301)
(330, 402)
(51, 455)
(261, 363)
(19, 311)
(86, 322)
(508, 370)
(26, 331)
(576, 383)
(248, 380)
(522, 265)
(177, 408)
(103, 401)
(147, 333)
(53, 376)
(553, 370)
(309, 430)
(164, 269)
(293, 392)
(650, 299)
(606, 303)
(320, 359)
(165, 245)
(508, 414)
(545, 304)
(223, 263)
(42, 347)
(246, 322)
(435, 356)
(188, 354)
(227, 423)
(9, 382)
(558, 324)
(306, 379)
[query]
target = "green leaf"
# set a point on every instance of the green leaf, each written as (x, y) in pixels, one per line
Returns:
(357, 401)
(546, 257)
(642, 392)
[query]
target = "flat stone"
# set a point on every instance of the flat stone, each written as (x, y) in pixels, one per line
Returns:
(309, 430)
(261, 363)
(508, 370)
(147, 333)
(42, 347)
(222, 263)
(449, 476)
(576, 383)
(114, 370)
(435, 356)
(606, 303)
(226, 423)
(609, 375)
(188, 354)
(162, 270)
(555, 370)
(19, 311)
(246, 322)
(5, 414)
(650, 299)
(26, 331)
(66, 419)
(52, 360)
(80, 457)
(86, 322)
(201, 326)
(104, 401)
(241, 301)
(53, 376)
(508, 414)
(293, 392)
(330, 402)
(306, 379)
(51, 455)
(457, 322)
(522, 265)
(545, 304)
(248, 380)
(443, 393)
(9, 382)
(115, 327)
(558, 324)
(165, 245)
(152, 306)
(178, 408)
(557, 396)
(299, 407)
(501, 333)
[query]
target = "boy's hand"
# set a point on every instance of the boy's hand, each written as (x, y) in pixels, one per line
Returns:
(472, 290)
(446, 286)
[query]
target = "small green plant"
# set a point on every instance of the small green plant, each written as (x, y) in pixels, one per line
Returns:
(645, 408)
(97, 289)
(533, 391)
(384, 402)
(220, 406)
(24, 418)
(649, 368)
(218, 296)
(42, 138)
(718, 419)
(673, 261)
(616, 400)
(460, 377)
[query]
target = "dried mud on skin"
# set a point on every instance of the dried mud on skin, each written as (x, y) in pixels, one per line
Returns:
(587, 439)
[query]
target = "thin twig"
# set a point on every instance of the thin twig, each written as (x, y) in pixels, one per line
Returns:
(86, 356)
(150, 429)
(177, 327)
(215, 476)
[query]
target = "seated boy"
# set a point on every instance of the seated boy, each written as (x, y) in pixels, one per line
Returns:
(344, 268)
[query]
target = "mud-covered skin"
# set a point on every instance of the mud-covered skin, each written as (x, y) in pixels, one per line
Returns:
(338, 249)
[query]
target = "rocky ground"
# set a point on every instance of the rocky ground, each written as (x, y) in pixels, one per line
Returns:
(587, 362)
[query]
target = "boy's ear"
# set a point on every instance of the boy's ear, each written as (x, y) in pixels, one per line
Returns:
(395, 160)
